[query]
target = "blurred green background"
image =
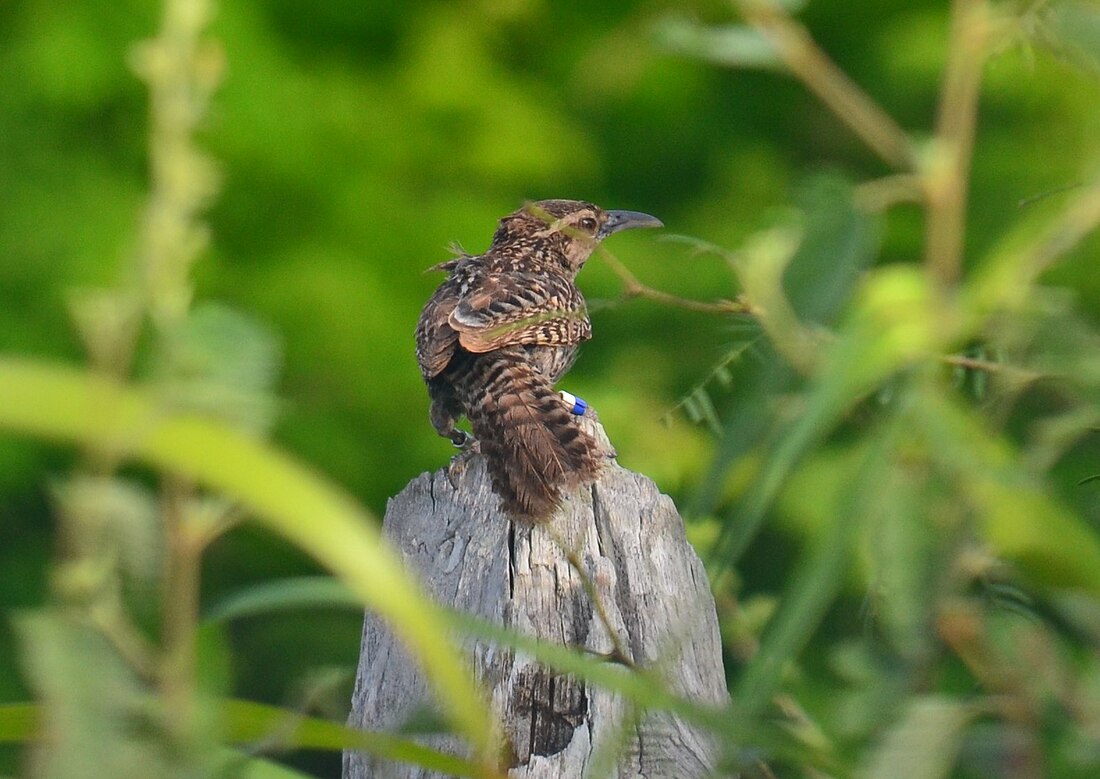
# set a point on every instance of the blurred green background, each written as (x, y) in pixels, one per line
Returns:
(357, 141)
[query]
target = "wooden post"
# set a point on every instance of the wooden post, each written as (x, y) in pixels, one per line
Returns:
(652, 604)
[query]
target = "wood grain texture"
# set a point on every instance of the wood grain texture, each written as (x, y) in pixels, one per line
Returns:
(655, 598)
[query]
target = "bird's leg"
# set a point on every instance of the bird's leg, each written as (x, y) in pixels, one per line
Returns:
(458, 463)
(443, 416)
(461, 440)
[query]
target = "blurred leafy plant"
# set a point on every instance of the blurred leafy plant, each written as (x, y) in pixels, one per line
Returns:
(911, 422)
(123, 692)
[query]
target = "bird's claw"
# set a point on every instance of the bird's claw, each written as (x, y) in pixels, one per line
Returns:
(462, 440)
(458, 463)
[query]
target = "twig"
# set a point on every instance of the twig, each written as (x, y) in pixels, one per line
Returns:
(880, 194)
(634, 288)
(1022, 375)
(718, 370)
(947, 176)
(108, 618)
(619, 651)
(180, 608)
(821, 76)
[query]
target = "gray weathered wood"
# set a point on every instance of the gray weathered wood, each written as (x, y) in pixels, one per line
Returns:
(655, 598)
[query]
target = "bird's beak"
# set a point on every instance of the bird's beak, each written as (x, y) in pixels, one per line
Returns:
(625, 220)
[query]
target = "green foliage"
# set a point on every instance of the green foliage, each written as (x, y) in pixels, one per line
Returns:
(874, 344)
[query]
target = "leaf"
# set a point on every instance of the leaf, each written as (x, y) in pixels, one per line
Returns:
(760, 268)
(839, 242)
(736, 46)
(895, 322)
(719, 374)
(90, 724)
(817, 580)
(19, 722)
(124, 510)
(256, 722)
(1072, 29)
(247, 723)
(239, 765)
(924, 744)
(1005, 280)
(106, 320)
(223, 363)
(706, 408)
(285, 594)
(51, 401)
(1020, 521)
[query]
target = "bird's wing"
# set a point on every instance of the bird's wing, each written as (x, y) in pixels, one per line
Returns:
(507, 309)
(435, 339)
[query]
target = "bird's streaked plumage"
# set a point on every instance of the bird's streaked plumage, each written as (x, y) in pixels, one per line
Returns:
(497, 335)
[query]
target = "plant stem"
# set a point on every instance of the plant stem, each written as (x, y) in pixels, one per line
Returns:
(947, 175)
(180, 610)
(821, 76)
(182, 71)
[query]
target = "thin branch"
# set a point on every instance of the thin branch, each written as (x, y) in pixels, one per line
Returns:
(718, 370)
(879, 195)
(947, 176)
(1022, 375)
(634, 288)
(180, 607)
(107, 616)
(821, 76)
(619, 651)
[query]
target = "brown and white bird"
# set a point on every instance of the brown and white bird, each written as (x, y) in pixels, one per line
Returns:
(496, 336)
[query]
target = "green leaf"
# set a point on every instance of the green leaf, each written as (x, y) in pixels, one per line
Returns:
(238, 765)
(305, 592)
(1005, 280)
(1020, 520)
(94, 724)
(895, 322)
(125, 507)
(18, 722)
(57, 402)
(736, 46)
(924, 744)
(839, 242)
(706, 408)
(248, 722)
(817, 581)
(222, 363)
(1073, 30)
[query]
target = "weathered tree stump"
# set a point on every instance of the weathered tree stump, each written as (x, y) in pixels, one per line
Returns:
(653, 594)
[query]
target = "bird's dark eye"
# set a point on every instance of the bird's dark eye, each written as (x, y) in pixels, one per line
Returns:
(588, 224)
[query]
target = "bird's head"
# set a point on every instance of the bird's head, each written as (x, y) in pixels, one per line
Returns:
(565, 230)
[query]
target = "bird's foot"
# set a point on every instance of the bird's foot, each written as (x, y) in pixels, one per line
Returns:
(462, 440)
(457, 466)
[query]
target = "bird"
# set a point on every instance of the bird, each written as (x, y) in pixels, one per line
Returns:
(497, 335)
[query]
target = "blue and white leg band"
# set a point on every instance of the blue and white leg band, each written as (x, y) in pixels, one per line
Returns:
(576, 405)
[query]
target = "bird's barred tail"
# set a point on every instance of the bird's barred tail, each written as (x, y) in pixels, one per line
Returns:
(531, 440)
